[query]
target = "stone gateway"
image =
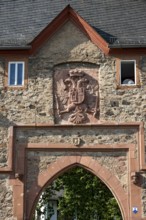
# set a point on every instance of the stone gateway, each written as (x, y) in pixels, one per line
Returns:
(72, 93)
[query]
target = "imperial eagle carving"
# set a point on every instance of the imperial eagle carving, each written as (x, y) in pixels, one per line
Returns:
(76, 94)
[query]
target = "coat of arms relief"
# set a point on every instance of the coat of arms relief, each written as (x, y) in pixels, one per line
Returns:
(76, 96)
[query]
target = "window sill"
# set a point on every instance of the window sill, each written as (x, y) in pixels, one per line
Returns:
(8, 87)
(128, 86)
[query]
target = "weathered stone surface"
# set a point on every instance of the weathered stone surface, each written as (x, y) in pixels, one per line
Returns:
(117, 163)
(38, 162)
(3, 156)
(6, 207)
(35, 104)
(91, 136)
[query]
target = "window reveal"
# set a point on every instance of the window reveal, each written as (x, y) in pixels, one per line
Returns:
(128, 72)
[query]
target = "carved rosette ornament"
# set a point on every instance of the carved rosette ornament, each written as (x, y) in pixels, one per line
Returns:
(76, 96)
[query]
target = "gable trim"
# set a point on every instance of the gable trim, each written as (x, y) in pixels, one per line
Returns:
(68, 14)
(89, 31)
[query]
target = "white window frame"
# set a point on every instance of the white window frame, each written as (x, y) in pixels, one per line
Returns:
(16, 72)
(135, 83)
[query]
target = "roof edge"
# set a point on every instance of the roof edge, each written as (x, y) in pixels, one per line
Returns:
(66, 14)
(90, 32)
(27, 47)
(124, 46)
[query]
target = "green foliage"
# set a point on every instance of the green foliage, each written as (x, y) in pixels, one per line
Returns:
(43, 202)
(85, 197)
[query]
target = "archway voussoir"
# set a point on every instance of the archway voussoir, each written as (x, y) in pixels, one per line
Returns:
(64, 162)
(54, 168)
(78, 159)
(113, 182)
(73, 159)
(123, 203)
(94, 165)
(104, 174)
(121, 194)
(85, 161)
(42, 178)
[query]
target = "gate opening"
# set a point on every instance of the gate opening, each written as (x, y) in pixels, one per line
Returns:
(77, 195)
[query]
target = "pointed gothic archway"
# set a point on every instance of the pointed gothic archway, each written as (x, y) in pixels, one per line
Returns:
(64, 164)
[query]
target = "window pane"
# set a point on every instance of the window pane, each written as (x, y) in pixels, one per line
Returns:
(20, 74)
(12, 74)
(128, 72)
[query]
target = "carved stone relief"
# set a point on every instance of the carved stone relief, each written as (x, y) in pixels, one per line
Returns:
(76, 96)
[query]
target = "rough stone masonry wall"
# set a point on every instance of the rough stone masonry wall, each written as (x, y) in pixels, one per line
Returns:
(5, 199)
(35, 104)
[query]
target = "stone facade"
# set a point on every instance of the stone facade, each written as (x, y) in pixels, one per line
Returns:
(88, 136)
(69, 48)
(6, 198)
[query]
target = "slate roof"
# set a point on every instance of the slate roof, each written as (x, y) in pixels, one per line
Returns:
(122, 23)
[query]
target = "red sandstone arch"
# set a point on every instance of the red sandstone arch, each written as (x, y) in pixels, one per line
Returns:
(65, 163)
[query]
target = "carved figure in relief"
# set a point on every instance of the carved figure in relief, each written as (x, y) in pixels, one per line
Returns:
(76, 92)
(73, 94)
